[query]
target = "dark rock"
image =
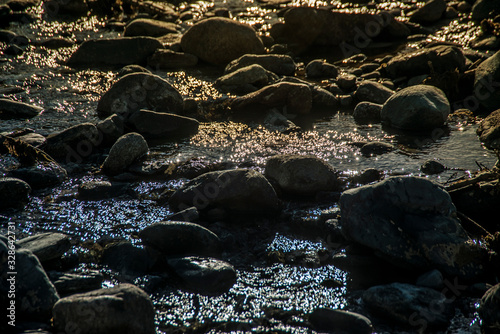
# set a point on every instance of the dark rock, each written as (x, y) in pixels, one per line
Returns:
(17, 110)
(57, 43)
(371, 91)
(56, 8)
(325, 319)
(489, 310)
(279, 64)
(157, 125)
(367, 111)
(188, 215)
(220, 40)
(369, 175)
(168, 59)
(301, 175)
(486, 82)
(464, 7)
(46, 246)
(149, 27)
(122, 309)
(321, 69)
(432, 11)
(14, 50)
(323, 99)
(22, 5)
(114, 52)
(376, 148)
(14, 193)
(73, 144)
(255, 75)
(124, 152)
(416, 108)
(111, 129)
(432, 279)
(127, 259)
(33, 139)
(10, 37)
(204, 275)
(346, 82)
(129, 69)
(41, 175)
(431, 167)
(71, 283)
(482, 9)
(181, 238)
(410, 305)
(239, 191)
(485, 43)
(140, 91)
(489, 130)
(412, 223)
(97, 190)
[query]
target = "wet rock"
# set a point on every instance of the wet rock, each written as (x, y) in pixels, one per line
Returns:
(21, 5)
(410, 305)
(376, 148)
(321, 98)
(486, 86)
(111, 129)
(55, 8)
(14, 193)
(204, 275)
(275, 121)
(41, 174)
(132, 69)
(114, 52)
(127, 259)
(346, 82)
(181, 238)
(252, 76)
(444, 58)
(431, 167)
(416, 108)
(464, 7)
(432, 11)
(168, 59)
(160, 125)
(489, 130)
(296, 98)
(301, 175)
(10, 37)
(325, 319)
(482, 9)
(367, 111)
(188, 215)
(73, 144)
(369, 175)
(489, 310)
(321, 69)
(432, 279)
(220, 40)
(71, 283)
(485, 43)
(412, 223)
(124, 308)
(140, 91)
(46, 246)
(96, 190)
(17, 110)
(278, 64)
(33, 139)
(239, 191)
(149, 27)
(372, 91)
(13, 50)
(57, 43)
(124, 152)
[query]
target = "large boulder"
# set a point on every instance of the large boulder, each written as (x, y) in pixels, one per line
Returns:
(13, 109)
(127, 149)
(489, 130)
(140, 91)
(220, 40)
(122, 309)
(14, 193)
(114, 52)
(412, 223)
(181, 238)
(279, 64)
(489, 310)
(486, 82)
(301, 174)
(158, 125)
(46, 246)
(416, 108)
(150, 27)
(239, 191)
(443, 58)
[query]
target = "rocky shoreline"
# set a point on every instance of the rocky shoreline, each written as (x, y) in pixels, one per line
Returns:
(386, 252)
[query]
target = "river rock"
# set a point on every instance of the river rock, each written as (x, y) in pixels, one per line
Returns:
(129, 69)
(329, 320)
(376, 148)
(205, 275)
(482, 9)
(160, 125)
(431, 167)
(21, 5)
(73, 144)
(321, 69)
(416, 108)
(432, 279)
(140, 91)
(14, 193)
(111, 128)
(323, 99)
(149, 27)
(239, 191)
(17, 110)
(486, 82)
(301, 175)
(127, 259)
(168, 59)
(346, 81)
(96, 190)
(71, 283)
(124, 152)
(489, 310)
(122, 309)
(75, 8)
(33, 139)
(114, 52)
(410, 222)
(46, 246)
(278, 64)
(371, 91)
(181, 238)
(410, 305)
(41, 174)
(254, 75)
(367, 111)
(489, 130)
(444, 58)
(432, 11)
(293, 98)
(220, 40)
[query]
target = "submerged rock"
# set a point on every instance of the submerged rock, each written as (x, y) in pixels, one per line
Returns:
(416, 108)
(489, 130)
(17, 110)
(486, 82)
(127, 149)
(140, 91)
(301, 175)
(47, 246)
(489, 310)
(278, 64)
(149, 27)
(325, 319)
(14, 193)
(160, 125)
(220, 40)
(124, 308)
